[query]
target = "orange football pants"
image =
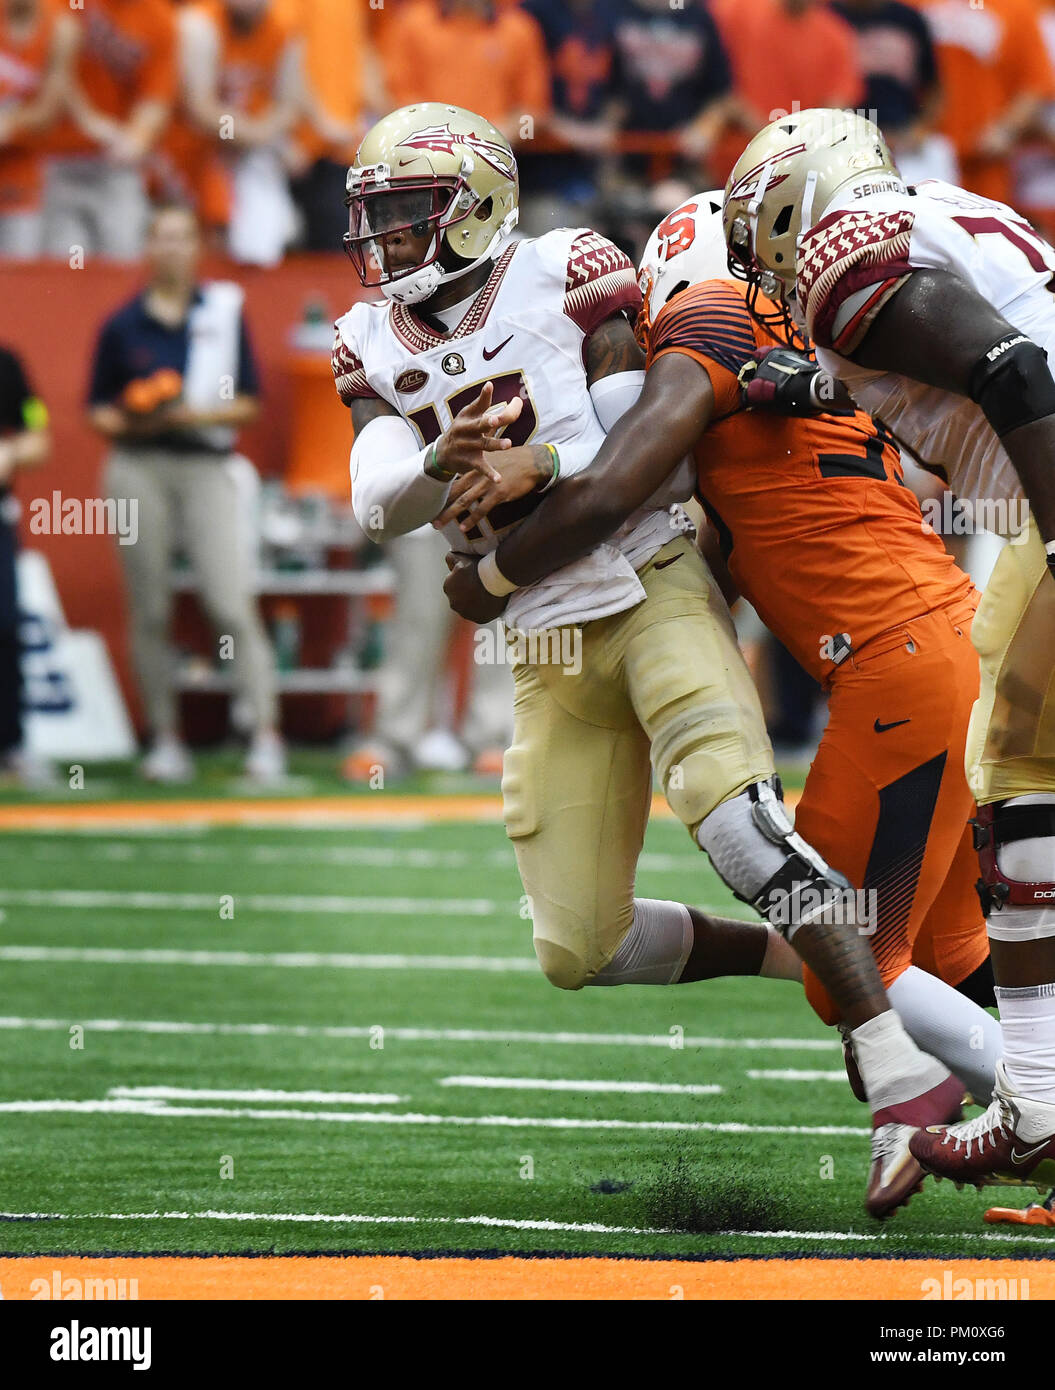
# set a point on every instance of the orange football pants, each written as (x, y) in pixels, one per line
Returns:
(886, 800)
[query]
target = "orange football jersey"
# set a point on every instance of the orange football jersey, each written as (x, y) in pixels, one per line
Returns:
(820, 532)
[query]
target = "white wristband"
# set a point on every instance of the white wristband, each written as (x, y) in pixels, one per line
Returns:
(1049, 550)
(492, 578)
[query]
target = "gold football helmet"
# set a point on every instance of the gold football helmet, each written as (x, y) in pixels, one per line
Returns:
(442, 175)
(782, 183)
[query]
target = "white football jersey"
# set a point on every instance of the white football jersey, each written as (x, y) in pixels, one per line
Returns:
(855, 259)
(526, 332)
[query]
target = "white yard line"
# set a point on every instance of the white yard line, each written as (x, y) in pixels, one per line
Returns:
(340, 1219)
(529, 1083)
(790, 1074)
(463, 1035)
(183, 850)
(199, 1093)
(319, 1218)
(81, 898)
(281, 960)
(157, 1109)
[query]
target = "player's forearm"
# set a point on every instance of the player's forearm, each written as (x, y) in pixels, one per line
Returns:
(641, 451)
(576, 519)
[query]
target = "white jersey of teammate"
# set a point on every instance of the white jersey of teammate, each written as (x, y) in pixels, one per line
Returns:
(855, 258)
(526, 332)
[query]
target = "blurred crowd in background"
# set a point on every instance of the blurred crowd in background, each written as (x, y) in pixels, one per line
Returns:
(250, 110)
(247, 112)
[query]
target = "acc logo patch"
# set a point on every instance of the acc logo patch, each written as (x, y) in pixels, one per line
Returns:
(411, 381)
(453, 364)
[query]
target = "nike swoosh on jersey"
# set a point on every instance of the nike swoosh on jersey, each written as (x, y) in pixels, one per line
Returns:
(495, 351)
(884, 728)
(662, 564)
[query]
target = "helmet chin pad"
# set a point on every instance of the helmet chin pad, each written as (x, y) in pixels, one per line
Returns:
(413, 288)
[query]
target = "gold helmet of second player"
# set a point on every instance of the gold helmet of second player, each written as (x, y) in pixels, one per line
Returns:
(783, 181)
(433, 192)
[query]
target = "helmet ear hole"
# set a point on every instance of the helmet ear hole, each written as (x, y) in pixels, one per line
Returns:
(783, 222)
(483, 212)
(681, 285)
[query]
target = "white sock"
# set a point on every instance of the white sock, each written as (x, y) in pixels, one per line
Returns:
(951, 1027)
(654, 950)
(892, 1067)
(1027, 1017)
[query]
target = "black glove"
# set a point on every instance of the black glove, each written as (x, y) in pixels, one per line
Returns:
(781, 380)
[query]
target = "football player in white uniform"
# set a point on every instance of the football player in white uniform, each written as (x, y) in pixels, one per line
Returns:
(935, 308)
(477, 335)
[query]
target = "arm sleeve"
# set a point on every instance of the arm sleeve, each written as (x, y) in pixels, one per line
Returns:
(711, 324)
(248, 375)
(390, 494)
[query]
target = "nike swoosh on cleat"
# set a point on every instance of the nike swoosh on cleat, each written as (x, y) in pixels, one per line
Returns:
(1019, 1159)
(883, 728)
(495, 351)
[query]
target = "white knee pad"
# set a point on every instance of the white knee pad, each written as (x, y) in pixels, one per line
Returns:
(754, 849)
(1025, 861)
(654, 950)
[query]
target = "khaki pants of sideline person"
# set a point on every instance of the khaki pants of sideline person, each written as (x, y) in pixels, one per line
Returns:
(194, 498)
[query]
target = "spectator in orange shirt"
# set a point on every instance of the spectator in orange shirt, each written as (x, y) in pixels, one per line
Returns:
(37, 41)
(120, 100)
(342, 82)
(786, 55)
(243, 92)
(996, 76)
(483, 56)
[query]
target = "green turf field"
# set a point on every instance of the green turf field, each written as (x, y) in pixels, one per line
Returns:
(384, 980)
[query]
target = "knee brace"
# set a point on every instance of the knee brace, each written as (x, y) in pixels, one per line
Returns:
(755, 851)
(1015, 840)
(1012, 385)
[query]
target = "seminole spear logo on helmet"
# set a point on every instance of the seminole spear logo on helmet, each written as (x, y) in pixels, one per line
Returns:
(442, 138)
